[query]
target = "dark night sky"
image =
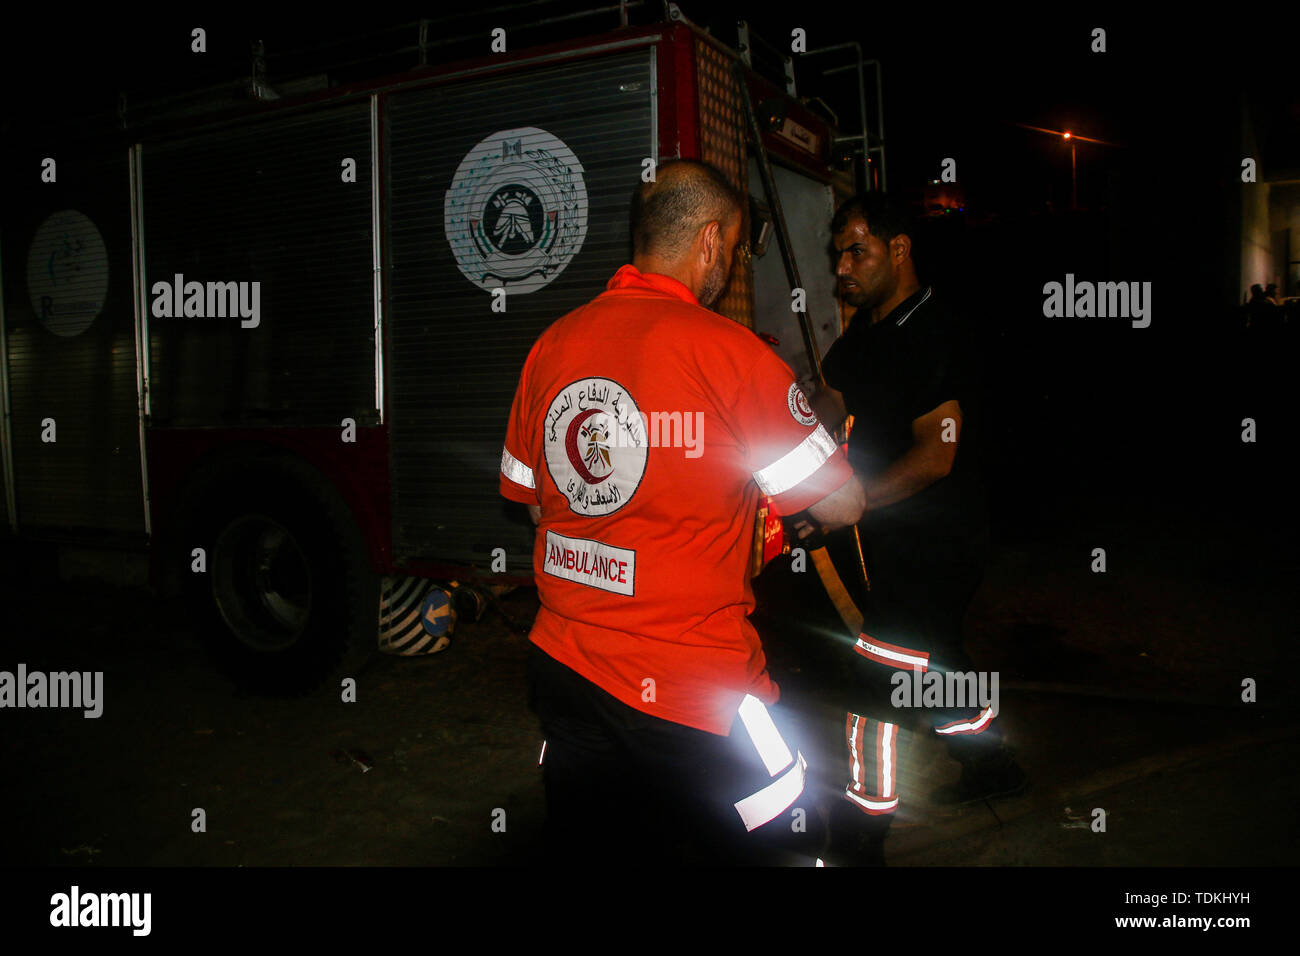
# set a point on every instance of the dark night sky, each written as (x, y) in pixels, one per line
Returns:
(953, 81)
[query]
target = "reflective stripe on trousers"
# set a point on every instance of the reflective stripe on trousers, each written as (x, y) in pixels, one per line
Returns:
(884, 760)
(764, 805)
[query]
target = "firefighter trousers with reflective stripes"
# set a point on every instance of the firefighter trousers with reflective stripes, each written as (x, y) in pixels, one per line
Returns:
(625, 786)
(921, 586)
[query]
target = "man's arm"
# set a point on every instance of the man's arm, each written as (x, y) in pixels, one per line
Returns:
(827, 403)
(929, 459)
(842, 507)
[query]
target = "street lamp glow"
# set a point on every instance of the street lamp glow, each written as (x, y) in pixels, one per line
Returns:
(1066, 135)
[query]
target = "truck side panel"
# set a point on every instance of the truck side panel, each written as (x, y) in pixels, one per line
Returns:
(539, 168)
(69, 340)
(263, 202)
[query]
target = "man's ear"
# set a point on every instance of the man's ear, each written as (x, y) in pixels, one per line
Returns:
(712, 237)
(901, 246)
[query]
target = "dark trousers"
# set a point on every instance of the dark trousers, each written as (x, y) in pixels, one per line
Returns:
(921, 586)
(625, 787)
(922, 582)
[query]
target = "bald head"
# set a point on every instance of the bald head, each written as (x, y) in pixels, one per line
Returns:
(686, 195)
(686, 225)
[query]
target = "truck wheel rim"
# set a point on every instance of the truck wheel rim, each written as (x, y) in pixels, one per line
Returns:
(262, 583)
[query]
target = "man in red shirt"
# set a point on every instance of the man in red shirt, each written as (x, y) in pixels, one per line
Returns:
(643, 430)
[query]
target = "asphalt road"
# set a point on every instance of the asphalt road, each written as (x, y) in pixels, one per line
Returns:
(1119, 691)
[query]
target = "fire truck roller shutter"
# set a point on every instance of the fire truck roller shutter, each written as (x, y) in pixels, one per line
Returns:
(288, 599)
(70, 340)
(256, 202)
(520, 181)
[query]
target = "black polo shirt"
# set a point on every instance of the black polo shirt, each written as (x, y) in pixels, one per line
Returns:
(919, 356)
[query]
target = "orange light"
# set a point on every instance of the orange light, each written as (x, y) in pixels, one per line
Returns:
(1066, 135)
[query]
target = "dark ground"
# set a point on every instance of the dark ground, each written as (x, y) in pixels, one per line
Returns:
(1119, 691)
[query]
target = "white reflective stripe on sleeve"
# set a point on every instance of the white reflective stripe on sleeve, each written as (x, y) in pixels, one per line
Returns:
(542, 755)
(968, 726)
(809, 455)
(758, 808)
(516, 470)
(767, 739)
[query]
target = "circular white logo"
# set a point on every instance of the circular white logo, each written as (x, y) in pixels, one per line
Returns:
(596, 445)
(800, 410)
(516, 212)
(67, 273)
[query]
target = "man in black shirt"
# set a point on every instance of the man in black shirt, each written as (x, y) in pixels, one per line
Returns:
(906, 370)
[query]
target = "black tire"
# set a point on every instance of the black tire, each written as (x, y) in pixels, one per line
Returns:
(288, 600)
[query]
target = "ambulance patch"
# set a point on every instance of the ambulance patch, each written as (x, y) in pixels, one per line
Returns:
(592, 563)
(596, 445)
(798, 404)
(515, 214)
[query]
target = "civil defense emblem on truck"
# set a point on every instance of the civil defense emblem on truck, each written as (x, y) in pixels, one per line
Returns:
(516, 211)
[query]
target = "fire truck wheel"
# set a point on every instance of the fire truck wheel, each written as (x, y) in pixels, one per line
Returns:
(288, 599)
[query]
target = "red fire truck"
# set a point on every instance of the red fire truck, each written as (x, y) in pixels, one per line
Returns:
(267, 344)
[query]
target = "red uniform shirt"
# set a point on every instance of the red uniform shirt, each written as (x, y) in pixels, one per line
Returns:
(645, 426)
